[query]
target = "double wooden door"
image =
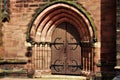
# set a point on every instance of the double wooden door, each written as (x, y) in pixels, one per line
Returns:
(66, 50)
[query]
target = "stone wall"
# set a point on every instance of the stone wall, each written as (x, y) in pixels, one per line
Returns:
(15, 30)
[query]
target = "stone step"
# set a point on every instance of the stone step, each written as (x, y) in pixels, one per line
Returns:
(49, 77)
(61, 77)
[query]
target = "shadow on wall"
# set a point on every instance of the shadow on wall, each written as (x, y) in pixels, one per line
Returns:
(108, 39)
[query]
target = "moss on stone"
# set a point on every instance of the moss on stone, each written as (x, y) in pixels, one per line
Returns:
(12, 61)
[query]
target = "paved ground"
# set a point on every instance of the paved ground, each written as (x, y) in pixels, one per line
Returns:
(41, 79)
(57, 77)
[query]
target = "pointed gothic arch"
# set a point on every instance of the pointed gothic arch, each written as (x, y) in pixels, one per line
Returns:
(56, 13)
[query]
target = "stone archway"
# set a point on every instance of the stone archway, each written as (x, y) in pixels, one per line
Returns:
(41, 30)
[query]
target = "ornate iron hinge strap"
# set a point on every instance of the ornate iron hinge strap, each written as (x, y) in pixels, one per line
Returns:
(55, 43)
(60, 67)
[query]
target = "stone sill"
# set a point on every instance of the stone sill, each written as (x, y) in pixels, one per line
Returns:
(12, 71)
(12, 61)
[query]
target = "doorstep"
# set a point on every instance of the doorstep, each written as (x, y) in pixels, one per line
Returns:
(48, 77)
(63, 77)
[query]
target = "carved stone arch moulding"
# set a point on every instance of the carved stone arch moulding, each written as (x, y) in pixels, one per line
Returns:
(45, 21)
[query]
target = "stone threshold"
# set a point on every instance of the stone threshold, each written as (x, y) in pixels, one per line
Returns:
(62, 77)
(47, 77)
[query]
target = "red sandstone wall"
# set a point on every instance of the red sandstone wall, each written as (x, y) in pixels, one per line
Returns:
(15, 30)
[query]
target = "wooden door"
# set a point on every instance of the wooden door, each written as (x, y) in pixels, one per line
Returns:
(66, 51)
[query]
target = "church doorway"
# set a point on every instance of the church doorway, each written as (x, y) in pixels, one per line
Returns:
(62, 38)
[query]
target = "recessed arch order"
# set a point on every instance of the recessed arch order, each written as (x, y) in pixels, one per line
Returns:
(44, 23)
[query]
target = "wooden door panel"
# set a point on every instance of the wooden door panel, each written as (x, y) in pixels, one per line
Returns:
(73, 50)
(58, 49)
(66, 53)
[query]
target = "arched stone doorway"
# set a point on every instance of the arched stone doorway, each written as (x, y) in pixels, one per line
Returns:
(55, 23)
